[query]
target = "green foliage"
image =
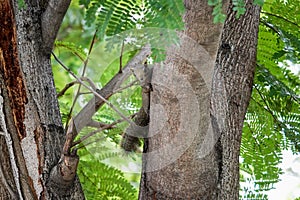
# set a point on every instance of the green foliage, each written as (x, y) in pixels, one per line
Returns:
(72, 48)
(239, 7)
(101, 181)
(285, 26)
(254, 196)
(165, 14)
(278, 86)
(219, 16)
(272, 122)
(111, 17)
(259, 2)
(21, 4)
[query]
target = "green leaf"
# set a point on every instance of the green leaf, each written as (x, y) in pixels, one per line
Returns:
(219, 18)
(259, 2)
(213, 2)
(21, 4)
(86, 3)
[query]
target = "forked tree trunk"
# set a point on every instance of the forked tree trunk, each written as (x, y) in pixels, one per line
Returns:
(192, 151)
(185, 159)
(31, 134)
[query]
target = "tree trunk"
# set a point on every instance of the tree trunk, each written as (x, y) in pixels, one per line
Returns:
(192, 151)
(231, 92)
(32, 135)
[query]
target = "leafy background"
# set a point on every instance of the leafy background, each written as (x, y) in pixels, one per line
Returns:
(272, 122)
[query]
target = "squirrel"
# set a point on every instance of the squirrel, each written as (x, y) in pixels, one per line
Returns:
(130, 143)
(143, 74)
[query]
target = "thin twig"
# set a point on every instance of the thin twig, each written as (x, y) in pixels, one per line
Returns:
(91, 83)
(98, 139)
(281, 17)
(265, 102)
(271, 27)
(127, 86)
(85, 137)
(84, 93)
(91, 142)
(82, 75)
(268, 109)
(67, 86)
(122, 49)
(93, 91)
(96, 124)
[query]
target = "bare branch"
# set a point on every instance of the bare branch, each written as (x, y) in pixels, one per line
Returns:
(90, 142)
(98, 95)
(93, 91)
(90, 82)
(130, 140)
(85, 115)
(70, 136)
(96, 124)
(63, 174)
(51, 21)
(67, 86)
(127, 86)
(82, 75)
(83, 138)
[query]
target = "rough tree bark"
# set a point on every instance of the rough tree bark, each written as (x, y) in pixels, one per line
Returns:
(32, 135)
(231, 92)
(182, 158)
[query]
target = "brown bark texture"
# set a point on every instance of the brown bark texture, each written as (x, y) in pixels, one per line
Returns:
(31, 132)
(231, 92)
(197, 112)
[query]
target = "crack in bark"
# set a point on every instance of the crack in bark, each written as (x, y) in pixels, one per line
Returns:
(10, 67)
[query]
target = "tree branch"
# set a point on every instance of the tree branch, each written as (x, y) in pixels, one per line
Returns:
(108, 126)
(63, 174)
(82, 75)
(97, 94)
(67, 86)
(51, 21)
(101, 96)
(281, 17)
(130, 140)
(96, 124)
(125, 87)
(85, 115)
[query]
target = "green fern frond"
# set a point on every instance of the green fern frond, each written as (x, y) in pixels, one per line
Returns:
(165, 14)
(286, 23)
(282, 101)
(71, 47)
(101, 181)
(113, 16)
(249, 195)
